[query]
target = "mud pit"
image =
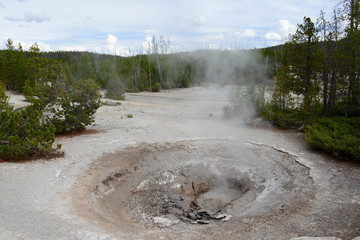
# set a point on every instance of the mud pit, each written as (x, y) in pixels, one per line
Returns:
(194, 189)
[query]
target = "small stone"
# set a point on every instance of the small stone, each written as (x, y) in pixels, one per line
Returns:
(166, 221)
(192, 216)
(203, 221)
(219, 216)
(176, 212)
(227, 218)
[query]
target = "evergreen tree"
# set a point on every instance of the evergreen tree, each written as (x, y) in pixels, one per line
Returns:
(304, 63)
(352, 56)
(37, 66)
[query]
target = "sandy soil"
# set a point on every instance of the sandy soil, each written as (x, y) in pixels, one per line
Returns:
(105, 186)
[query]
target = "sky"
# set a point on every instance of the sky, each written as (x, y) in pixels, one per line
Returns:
(126, 27)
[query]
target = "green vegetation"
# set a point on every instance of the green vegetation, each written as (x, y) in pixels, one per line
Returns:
(314, 79)
(338, 136)
(58, 104)
(21, 132)
(317, 83)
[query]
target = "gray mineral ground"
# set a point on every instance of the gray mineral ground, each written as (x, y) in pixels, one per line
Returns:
(173, 172)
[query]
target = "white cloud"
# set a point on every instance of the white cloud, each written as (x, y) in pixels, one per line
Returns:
(83, 24)
(151, 32)
(249, 33)
(74, 48)
(29, 17)
(273, 36)
(26, 45)
(198, 20)
(285, 28)
(111, 40)
(147, 43)
(215, 37)
(36, 16)
(111, 44)
(213, 46)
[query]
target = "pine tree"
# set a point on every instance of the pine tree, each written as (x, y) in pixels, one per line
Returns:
(352, 56)
(304, 63)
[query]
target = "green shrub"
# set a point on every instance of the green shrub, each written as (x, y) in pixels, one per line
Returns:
(3, 97)
(243, 103)
(156, 87)
(69, 106)
(115, 89)
(283, 118)
(22, 135)
(74, 110)
(338, 136)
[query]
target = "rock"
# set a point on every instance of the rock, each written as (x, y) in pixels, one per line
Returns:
(219, 216)
(192, 216)
(227, 218)
(202, 221)
(166, 221)
(357, 238)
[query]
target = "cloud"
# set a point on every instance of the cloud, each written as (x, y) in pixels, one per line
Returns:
(30, 17)
(197, 21)
(147, 43)
(215, 37)
(110, 44)
(213, 46)
(249, 33)
(273, 36)
(111, 40)
(151, 32)
(285, 28)
(38, 17)
(26, 45)
(86, 24)
(13, 19)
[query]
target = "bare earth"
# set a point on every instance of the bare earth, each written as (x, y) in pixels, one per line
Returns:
(178, 170)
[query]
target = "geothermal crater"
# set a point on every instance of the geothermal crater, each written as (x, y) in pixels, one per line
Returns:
(192, 194)
(194, 186)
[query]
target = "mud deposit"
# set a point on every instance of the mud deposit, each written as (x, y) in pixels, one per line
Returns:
(197, 189)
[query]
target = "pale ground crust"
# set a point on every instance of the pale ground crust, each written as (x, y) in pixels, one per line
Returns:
(102, 188)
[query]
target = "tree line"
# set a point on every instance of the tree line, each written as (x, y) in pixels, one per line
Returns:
(316, 81)
(155, 70)
(63, 87)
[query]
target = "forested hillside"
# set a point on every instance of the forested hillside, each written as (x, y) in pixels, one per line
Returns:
(316, 83)
(63, 87)
(20, 69)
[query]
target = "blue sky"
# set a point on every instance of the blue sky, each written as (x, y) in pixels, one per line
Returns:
(126, 26)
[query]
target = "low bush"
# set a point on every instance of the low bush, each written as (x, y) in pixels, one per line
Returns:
(68, 105)
(115, 89)
(22, 135)
(76, 108)
(57, 106)
(283, 118)
(338, 136)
